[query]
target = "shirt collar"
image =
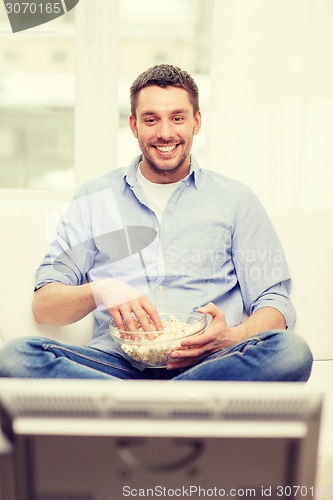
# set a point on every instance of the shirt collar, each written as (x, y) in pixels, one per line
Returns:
(194, 175)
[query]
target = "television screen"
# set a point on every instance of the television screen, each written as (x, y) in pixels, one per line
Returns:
(103, 440)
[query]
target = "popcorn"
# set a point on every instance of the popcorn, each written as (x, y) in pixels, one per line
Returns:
(153, 349)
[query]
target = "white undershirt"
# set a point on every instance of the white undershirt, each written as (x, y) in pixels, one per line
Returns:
(157, 195)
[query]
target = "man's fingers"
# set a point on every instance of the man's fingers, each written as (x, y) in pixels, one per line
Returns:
(198, 340)
(142, 318)
(136, 313)
(191, 352)
(154, 316)
(213, 310)
(174, 364)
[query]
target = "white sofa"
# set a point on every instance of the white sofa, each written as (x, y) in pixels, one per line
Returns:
(25, 217)
(307, 241)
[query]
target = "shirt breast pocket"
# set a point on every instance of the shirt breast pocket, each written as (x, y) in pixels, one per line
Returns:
(203, 250)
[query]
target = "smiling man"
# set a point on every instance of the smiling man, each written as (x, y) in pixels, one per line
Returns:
(165, 234)
(165, 133)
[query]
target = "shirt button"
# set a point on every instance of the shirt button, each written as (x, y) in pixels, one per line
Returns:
(161, 288)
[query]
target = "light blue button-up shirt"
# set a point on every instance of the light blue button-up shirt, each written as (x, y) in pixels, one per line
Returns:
(215, 243)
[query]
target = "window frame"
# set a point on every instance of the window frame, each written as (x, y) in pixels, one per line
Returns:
(97, 80)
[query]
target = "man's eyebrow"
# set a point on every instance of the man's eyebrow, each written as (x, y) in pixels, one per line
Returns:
(181, 111)
(148, 113)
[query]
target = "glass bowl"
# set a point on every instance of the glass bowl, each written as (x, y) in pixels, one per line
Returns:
(153, 349)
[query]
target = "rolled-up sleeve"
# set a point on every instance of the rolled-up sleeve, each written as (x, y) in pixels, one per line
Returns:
(260, 262)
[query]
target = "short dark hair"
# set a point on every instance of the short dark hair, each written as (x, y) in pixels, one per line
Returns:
(165, 75)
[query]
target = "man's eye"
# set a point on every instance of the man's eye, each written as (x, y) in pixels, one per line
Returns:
(178, 118)
(150, 121)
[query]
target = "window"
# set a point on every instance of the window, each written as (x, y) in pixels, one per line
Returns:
(37, 105)
(168, 31)
(64, 112)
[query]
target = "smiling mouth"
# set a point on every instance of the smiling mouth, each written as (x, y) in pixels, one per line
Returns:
(166, 149)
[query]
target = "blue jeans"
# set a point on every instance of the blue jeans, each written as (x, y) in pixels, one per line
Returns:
(270, 356)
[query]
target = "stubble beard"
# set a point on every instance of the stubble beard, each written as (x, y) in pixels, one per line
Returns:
(166, 171)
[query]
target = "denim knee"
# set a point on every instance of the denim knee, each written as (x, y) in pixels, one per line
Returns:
(13, 354)
(273, 356)
(299, 356)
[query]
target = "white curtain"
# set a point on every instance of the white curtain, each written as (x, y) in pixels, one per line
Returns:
(270, 120)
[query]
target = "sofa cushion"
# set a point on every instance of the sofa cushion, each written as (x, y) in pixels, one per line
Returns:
(307, 239)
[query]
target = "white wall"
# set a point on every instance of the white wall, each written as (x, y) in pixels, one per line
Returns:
(271, 109)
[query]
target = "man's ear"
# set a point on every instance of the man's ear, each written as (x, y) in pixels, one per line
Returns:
(133, 127)
(197, 122)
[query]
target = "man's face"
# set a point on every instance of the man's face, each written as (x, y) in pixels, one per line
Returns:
(165, 126)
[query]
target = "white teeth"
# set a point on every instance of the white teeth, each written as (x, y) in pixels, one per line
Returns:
(165, 149)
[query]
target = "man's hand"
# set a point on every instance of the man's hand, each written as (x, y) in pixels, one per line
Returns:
(122, 301)
(220, 336)
(198, 347)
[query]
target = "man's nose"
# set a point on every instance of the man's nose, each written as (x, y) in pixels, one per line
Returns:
(165, 130)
